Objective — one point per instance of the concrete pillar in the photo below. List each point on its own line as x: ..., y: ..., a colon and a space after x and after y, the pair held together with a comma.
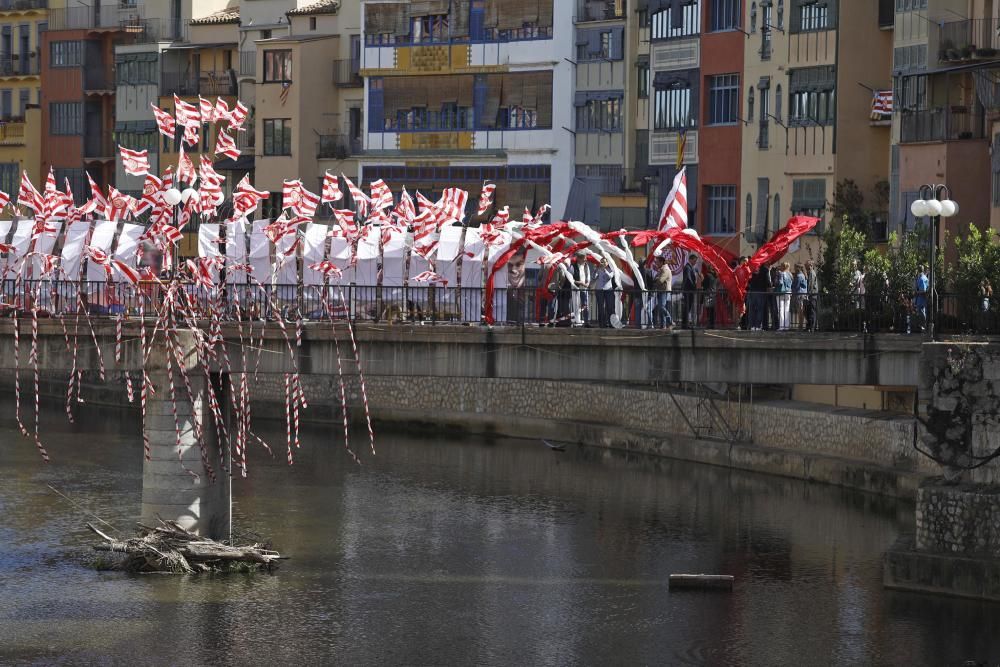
x: 168, y: 491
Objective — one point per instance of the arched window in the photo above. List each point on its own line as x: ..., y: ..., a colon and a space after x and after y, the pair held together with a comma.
x: 781, y: 13
x: 777, y: 102
x: 753, y: 17
x: 750, y: 104
x: 777, y: 212
x: 748, y: 219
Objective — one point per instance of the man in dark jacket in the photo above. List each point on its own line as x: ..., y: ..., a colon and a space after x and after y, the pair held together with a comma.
x: 690, y: 287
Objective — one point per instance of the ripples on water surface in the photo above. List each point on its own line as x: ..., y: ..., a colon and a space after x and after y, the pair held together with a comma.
x: 468, y: 551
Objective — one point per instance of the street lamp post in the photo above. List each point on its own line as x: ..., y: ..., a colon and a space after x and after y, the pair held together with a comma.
x: 932, y: 204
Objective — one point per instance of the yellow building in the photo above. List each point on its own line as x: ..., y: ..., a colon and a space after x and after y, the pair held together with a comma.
x: 21, y: 24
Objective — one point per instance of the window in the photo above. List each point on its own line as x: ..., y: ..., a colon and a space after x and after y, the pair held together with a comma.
x: 672, y: 108
x: 777, y: 210
x: 781, y: 13
x: 23, y: 101
x: 912, y: 93
x: 265, y: 34
x: 66, y: 54
x: 277, y: 66
x: 748, y: 215
x: 723, y: 99
x: 642, y: 70
x: 749, y: 104
x: 136, y: 138
x: 66, y: 118
x: 753, y: 17
x: 777, y: 102
x: 312, y: 22
x: 725, y: 15
x: 765, y: 31
x: 910, y: 5
x: 812, y: 107
x: 136, y: 69
x: 606, y: 44
x: 662, y: 24
x: 813, y: 15
x: 809, y: 196
x: 594, y: 44
x: 720, y: 215
x: 599, y: 115
x: 432, y: 28
x: 278, y: 136
x: 77, y: 182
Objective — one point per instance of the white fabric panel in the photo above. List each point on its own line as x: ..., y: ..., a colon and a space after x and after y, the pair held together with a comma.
x: 5, y: 227
x: 104, y: 234
x: 417, y: 266
x: 366, y: 269
x: 313, y: 251
x: 500, y: 279
x: 45, y: 244
x: 21, y: 242
x: 260, y: 253
x: 393, y: 259
x: 286, y: 272
x: 472, y: 275
x: 236, y: 250
x: 448, y: 253
x: 128, y: 245
x: 72, y: 250
x: 208, y: 240
x: 340, y: 255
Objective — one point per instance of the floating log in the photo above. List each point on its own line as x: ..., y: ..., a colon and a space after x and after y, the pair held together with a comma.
x: 171, y: 548
x: 715, y: 582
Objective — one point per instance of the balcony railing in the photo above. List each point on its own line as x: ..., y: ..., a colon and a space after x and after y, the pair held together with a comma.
x: 347, y: 73
x: 24, y: 64
x: 248, y: 63
x: 106, y: 16
x: 599, y: 10
x: 12, y: 132
x: 22, y: 5
x: 206, y: 83
x: 148, y: 31
x: 246, y: 140
x: 612, y: 179
x: 941, y: 124
x: 337, y: 146
x: 974, y: 39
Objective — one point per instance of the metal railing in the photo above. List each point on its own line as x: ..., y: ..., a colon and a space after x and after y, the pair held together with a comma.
x: 337, y: 146
x: 599, y: 10
x: 163, y: 29
x: 110, y: 16
x: 347, y: 73
x: 22, y: 64
x: 12, y: 132
x: 970, y: 39
x: 204, y: 83
x: 941, y: 124
x: 630, y: 308
x: 613, y: 179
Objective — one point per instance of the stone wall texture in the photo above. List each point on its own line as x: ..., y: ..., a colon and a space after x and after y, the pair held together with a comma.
x: 958, y: 519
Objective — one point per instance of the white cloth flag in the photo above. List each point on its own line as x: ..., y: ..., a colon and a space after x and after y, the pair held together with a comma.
x: 208, y: 246
x: 128, y: 246
x: 236, y: 250
x: 260, y: 253
x: 72, y: 250
x: 44, y: 245
x: 500, y: 278
x: 21, y: 242
x: 104, y: 235
x: 313, y: 252
x: 340, y: 255
x: 286, y: 267
x: 367, y: 266
x: 472, y: 275
x: 448, y: 253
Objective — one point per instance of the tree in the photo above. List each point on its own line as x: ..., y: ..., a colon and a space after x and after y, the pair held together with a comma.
x: 843, y: 245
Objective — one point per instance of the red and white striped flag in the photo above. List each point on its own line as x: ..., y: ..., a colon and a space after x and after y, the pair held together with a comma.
x: 100, y: 257
x: 425, y: 232
x: 486, y: 197
x: 290, y: 193
x: 675, y: 208
x: 120, y: 205
x: 361, y: 201
x: 430, y: 277
x: 164, y: 121
x: 150, y: 194
x: 381, y: 195
x: 207, y: 172
x: 346, y: 220
x: 225, y: 145
x: 207, y: 110
x: 4, y: 200
x: 187, y: 114
x: 502, y: 217
x: 281, y: 228
x: 246, y: 198
x: 28, y: 196
x: 185, y: 168
x: 327, y: 268
x: 203, y: 270
x: 331, y: 188
x: 308, y: 203
x: 238, y: 115
x: 452, y: 205
x: 191, y: 137
x: 405, y: 211
x: 221, y: 111
x: 97, y: 203
x: 134, y: 162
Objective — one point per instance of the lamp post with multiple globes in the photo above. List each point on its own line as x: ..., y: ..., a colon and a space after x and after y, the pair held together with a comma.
x: 934, y: 201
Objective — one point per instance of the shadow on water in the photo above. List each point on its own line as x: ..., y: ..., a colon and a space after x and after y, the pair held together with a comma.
x: 454, y: 551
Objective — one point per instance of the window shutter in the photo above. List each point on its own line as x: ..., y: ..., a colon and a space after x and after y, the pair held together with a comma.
x: 617, y: 44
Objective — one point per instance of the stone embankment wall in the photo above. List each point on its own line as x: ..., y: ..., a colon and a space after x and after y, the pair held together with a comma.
x: 963, y: 519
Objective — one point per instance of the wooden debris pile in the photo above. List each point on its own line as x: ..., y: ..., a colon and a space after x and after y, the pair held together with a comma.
x: 169, y: 548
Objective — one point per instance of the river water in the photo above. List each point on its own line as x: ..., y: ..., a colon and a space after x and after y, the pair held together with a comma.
x: 467, y: 551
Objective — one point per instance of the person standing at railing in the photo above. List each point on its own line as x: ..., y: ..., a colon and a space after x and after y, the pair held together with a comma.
x: 985, y: 304
x: 662, y: 282
x: 709, y: 289
x: 920, y: 288
x: 783, y: 291
x: 812, y: 289
x: 800, y: 287
x: 581, y: 294
x: 604, y: 287
x: 689, y: 284
x: 760, y: 285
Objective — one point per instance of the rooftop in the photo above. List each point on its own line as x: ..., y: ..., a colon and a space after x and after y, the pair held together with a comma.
x: 221, y: 17
x: 321, y: 7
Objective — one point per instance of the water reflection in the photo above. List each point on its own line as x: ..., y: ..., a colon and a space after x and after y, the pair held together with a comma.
x: 445, y: 551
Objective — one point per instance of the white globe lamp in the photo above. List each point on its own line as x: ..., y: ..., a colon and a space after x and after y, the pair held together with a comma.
x: 172, y: 196
x: 949, y: 208
x: 919, y: 208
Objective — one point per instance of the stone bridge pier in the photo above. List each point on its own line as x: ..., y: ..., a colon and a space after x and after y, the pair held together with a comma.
x: 168, y: 489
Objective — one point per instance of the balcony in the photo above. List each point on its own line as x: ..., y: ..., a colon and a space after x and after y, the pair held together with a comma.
x: 98, y: 17
x: 22, y: 5
x: 347, y: 73
x: 941, y: 124
x: 150, y: 31
x: 12, y: 132
x: 98, y: 148
x: 337, y: 146
x: 20, y: 65
x: 206, y: 83
x: 246, y: 140
x: 613, y: 179
x: 599, y: 10
x: 974, y: 39
x: 248, y: 63
x: 96, y: 79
